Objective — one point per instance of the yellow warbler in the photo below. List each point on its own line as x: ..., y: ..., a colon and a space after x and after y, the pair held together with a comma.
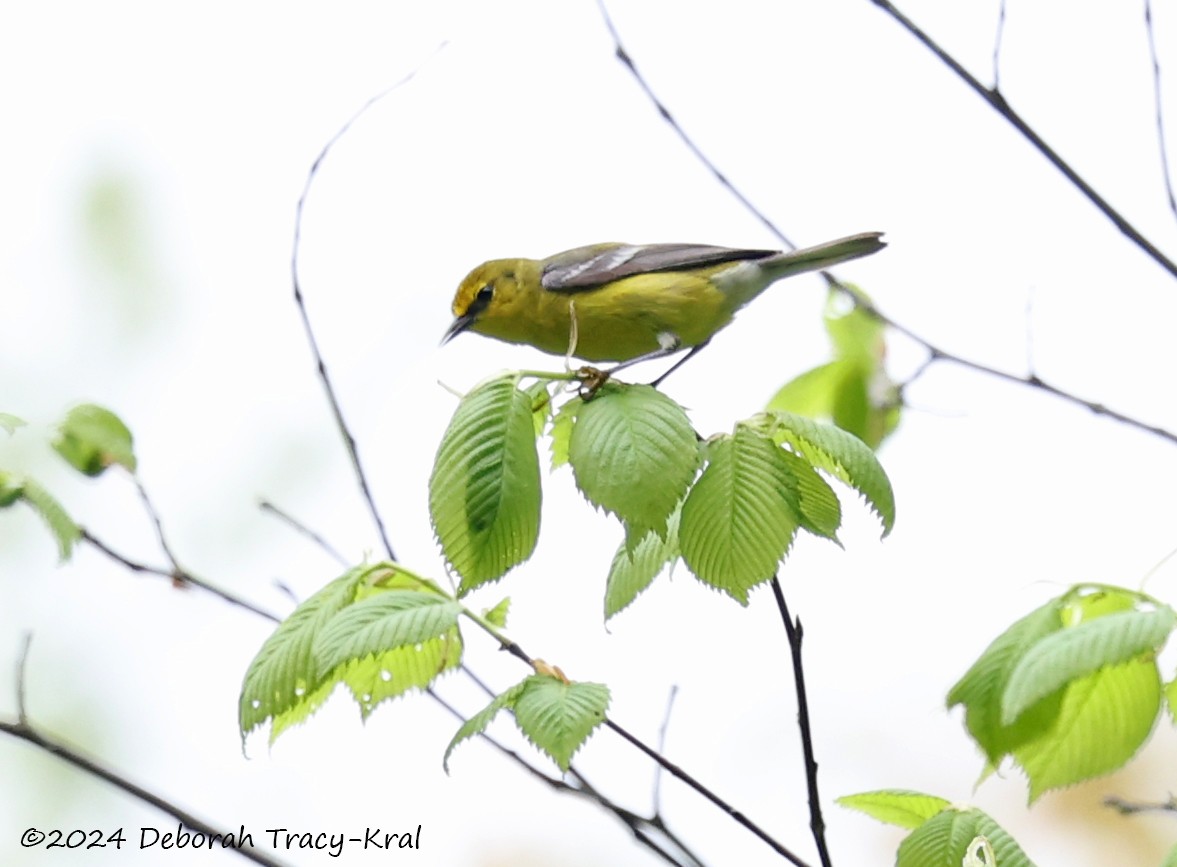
x: 627, y: 302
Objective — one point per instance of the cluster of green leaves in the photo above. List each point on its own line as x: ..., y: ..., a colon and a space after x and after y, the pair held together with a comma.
x: 382, y: 632
x: 941, y: 833
x: 853, y: 389
x: 378, y: 629
x: 1072, y: 690
x: 91, y: 439
x: 729, y: 507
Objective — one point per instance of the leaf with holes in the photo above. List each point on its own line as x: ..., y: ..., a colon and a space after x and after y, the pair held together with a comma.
x: 283, y: 680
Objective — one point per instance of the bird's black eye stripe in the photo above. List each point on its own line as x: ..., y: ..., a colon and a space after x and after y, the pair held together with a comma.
x: 481, y: 300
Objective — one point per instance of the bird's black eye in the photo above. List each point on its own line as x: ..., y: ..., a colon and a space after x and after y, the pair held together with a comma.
x: 481, y: 300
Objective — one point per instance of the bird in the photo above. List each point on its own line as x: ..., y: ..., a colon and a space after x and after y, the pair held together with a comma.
x: 628, y: 303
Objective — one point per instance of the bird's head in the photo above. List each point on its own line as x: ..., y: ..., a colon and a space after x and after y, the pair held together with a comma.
x: 487, y: 300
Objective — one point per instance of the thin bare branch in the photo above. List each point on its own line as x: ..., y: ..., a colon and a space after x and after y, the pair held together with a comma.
x: 628, y: 62
x: 349, y: 441
x: 678, y: 773
x: 935, y: 353
x: 177, y: 575
x: 1128, y: 808
x: 25, y: 732
x: 997, y: 101
x: 153, y: 514
x: 794, y: 633
x: 1156, y: 90
x: 657, y: 795
x: 304, y: 530
x: 997, y: 46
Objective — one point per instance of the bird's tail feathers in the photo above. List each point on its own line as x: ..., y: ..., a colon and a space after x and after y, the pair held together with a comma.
x: 822, y: 256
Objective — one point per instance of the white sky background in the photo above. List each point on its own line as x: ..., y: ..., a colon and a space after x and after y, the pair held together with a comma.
x: 524, y: 136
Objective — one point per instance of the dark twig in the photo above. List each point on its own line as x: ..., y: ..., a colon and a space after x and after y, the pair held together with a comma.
x: 26, y: 733
x: 1128, y: 808
x: 303, y: 530
x: 628, y: 62
x: 935, y: 353
x: 1156, y: 89
x: 795, y: 634
x: 349, y: 441
x: 646, y: 830
x: 637, y: 824
x: 677, y: 772
x: 23, y: 730
x: 657, y: 795
x: 997, y: 47
x: 997, y: 101
x: 176, y: 574
x: 153, y: 514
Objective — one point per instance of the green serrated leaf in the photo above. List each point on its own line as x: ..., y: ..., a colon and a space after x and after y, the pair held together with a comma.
x: 92, y: 438
x: 377, y: 678
x: 900, y: 807
x: 381, y: 623
x: 484, y: 493
x: 497, y: 616
x: 540, y: 395
x: 477, y: 724
x: 11, y: 489
x: 633, y: 453
x: 1170, y: 691
x: 301, y: 710
x: 1104, y: 719
x: 561, y: 433
x: 9, y: 422
x: 844, y: 455
x: 283, y: 680
x: 1075, y: 652
x: 635, y: 566
x: 981, y: 687
x: 945, y: 840
x: 557, y: 716
x: 65, y: 532
x: 736, y: 523
x: 813, y: 501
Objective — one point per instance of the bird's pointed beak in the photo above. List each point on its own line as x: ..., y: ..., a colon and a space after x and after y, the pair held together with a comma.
x: 460, y: 324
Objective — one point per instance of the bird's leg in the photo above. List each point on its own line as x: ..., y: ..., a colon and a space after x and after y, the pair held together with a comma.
x: 592, y: 378
x: 657, y: 382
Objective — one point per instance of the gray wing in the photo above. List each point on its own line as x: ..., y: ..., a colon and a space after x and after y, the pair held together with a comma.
x: 590, y: 267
